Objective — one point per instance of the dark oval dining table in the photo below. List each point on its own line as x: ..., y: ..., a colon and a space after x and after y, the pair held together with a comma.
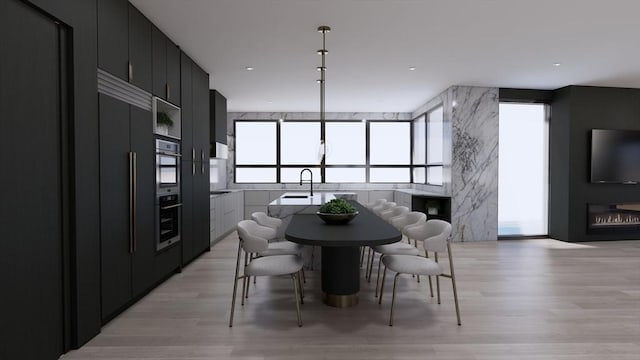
x: 340, y: 245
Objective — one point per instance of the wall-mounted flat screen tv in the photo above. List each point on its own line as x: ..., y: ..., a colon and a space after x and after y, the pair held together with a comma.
x: 615, y: 156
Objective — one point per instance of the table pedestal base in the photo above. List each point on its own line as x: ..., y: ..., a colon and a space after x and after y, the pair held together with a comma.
x: 341, y: 275
x: 340, y: 301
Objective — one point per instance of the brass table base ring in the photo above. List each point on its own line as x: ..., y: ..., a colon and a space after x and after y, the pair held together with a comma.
x: 341, y: 301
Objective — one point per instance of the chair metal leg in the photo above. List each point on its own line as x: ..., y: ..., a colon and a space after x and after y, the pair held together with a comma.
x: 393, y: 298
x: 245, y: 282
x: 361, y: 255
x: 313, y: 249
x: 244, y: 290
x: 384, y: 276
x: 300, y: 287
x: 373, y: 259
x: 254, y: 278
x: 235, y: 285
x: 366, y: 268
x: 295, y: 291
x: 426, y: 254
x: 453, y: 283
x: 304, y: 277
x: 378, y: 278
x: 438, y: 288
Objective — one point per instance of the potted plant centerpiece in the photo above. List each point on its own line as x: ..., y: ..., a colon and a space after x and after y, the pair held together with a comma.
x: 337, y: 212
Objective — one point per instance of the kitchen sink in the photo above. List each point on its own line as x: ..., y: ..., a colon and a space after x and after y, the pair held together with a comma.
x: 295, y: 196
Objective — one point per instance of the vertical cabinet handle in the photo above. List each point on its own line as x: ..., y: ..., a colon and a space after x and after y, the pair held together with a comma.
x: 202, y: 157
x: 193, y: 161
x: 132, y: 195
x: 130, y: 72
x: 168, y: 88
x: 135, y: 200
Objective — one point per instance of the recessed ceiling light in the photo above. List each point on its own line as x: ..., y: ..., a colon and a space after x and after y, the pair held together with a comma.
x: 412, y: 68
x: 249, y: 68
x: 364, y: 120
x: 281, y: 120
x: 556, y: 64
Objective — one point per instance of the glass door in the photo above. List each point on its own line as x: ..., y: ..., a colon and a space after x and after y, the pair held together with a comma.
x: 523, y: 170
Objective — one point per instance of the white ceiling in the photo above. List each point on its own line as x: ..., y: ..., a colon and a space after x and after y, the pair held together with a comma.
x: 503, y: 43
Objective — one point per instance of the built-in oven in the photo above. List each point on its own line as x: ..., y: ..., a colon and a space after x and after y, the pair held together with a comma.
x: 168, y: 202
x: 167, y: 167
x: 168, y: 220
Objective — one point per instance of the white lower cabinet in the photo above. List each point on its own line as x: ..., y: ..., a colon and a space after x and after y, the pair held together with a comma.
x: 227, y: 210
x: 402, y: 199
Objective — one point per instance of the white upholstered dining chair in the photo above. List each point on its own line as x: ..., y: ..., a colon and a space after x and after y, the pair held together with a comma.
x: 388, y: 214
x: 252, y: 241
x: 382, y: 207
x: 435, y: 236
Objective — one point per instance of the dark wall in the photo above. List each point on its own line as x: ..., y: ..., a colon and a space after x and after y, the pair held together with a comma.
x: 80, y: 16
x: 575, y: 111
x: 559, y: 159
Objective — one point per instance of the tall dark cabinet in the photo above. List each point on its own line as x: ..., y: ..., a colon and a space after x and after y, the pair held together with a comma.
x: 139, y: 70
x: 166, y: 67
x: 126, y: 203
x: 195, y: 166
x: 219, y: 117
x: 113, y: 34
x: 35, y: 231
x: 121, y: 23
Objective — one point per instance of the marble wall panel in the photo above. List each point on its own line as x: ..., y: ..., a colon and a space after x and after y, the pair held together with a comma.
x: 474, y: 180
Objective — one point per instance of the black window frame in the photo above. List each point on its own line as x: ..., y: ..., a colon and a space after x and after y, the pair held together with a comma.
x: 323, y: 166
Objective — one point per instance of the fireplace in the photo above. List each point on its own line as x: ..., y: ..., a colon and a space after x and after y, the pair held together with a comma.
x: 614, y: 216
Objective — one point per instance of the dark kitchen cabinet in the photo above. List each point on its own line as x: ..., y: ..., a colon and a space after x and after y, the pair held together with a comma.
x: 113, y: 33
x: 34, y: 210
x: 187, y: 107
x: 120, y: 23
x: 195, y: 150
x: 200, y: 85
x: 139, y: 49
x: 166, y: 67
x: 219, y: 117
x: 173, y: 73
x: 127, y: 231
x: 188, y: 247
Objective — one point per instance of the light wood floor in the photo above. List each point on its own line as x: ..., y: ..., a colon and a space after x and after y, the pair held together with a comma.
x: 526, y: 299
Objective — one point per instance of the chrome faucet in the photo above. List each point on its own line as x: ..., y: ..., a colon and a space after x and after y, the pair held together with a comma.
x: 310, y: 181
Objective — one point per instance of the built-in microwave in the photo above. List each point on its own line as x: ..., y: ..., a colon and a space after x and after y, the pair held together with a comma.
x: 167, y: 167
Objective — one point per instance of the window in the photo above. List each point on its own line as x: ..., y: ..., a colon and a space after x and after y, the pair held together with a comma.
x: 428, y: 147
x: 419, y: 155
x: 346, y: 143
x: 435, y: 143
x: 522, y: 169
x: 389, y: 144
x: 300, y: 143
x: 256, y: 151
x: 356, y: 151
x: 251, y: 136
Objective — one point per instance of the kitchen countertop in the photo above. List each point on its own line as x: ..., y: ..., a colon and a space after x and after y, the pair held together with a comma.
x: 221, y: 192
x: 318, y: 199
x: 421, y: 193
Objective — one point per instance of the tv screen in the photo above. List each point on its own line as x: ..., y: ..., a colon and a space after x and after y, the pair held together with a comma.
x: 615, y: 156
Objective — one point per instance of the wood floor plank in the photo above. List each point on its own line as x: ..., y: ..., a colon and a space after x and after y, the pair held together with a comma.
x: 525, y: 299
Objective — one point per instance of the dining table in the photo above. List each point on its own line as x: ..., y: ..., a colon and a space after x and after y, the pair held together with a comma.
x: 340, y: 249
